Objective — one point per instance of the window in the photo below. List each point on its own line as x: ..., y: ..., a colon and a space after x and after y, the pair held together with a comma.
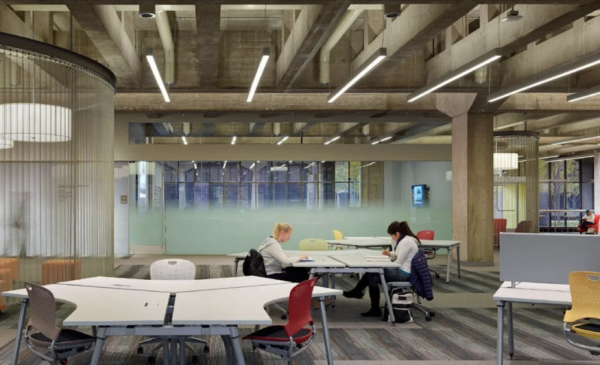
x: 560, y: 194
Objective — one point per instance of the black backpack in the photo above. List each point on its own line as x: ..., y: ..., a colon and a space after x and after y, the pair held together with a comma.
x: 254, y: 265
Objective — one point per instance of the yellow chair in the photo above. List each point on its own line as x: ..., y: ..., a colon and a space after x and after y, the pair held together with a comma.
x: 585, y: 296
x: 313, y: 244
x: 337, y: 235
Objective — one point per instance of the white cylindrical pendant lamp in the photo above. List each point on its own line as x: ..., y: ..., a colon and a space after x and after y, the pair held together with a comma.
x: 30, y: 122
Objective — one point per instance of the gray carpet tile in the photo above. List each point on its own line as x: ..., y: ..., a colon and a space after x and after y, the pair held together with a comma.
x: 455, y: 336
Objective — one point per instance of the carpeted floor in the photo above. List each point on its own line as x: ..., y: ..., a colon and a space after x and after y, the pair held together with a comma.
x: 455, y: 336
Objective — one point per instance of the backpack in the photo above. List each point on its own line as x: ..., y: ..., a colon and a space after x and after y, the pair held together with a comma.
x: 401, y: 304
x: 254, y: 265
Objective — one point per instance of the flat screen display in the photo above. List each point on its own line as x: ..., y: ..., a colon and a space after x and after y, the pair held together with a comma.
x: 419, y: 195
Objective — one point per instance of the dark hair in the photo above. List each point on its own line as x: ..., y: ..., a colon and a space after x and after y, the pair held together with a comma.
x: 403, y: 229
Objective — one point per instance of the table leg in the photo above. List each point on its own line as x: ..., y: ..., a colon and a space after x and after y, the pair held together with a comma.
x: 235, y: 266
x: 174, y: 350
x: 99, y: 344
x: 325, y: 330
x: 311, y: 274
x: 458, y: 259
x: 182, y: 351
x: 448, y: 261
x: 227, y: 345
x: 387, y: 298
x: 500, y: 325
x: 326, y: 280
x: 165, y: 351
x: 237, y: 347
x: 20, y: 326
x: 509, y: 326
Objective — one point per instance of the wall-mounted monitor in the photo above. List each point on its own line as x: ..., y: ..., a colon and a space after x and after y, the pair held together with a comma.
x: 420, y: 195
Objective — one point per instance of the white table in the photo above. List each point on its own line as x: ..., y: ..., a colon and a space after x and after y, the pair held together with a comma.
x: 532, y: 293
x: 120, y: 307
x: 383, y: 242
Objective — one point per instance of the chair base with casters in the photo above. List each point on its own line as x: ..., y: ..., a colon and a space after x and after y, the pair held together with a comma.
x: 68, y: 344
x: 587, y: 330
x: 406, y: 287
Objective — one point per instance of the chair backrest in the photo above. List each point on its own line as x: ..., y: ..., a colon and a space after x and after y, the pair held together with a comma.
x: 337, y: 235
x: 596, y: 219
x: 313, y: 244
x: 425, y: 235
x: 523, y: 227
x: 299, y: 307
x: 42, y: 314
x: 499, y: 225
x: 585, y: 296
x: 172, y: 269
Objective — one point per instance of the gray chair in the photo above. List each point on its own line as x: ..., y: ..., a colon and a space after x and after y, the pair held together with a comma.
x: 172, y: 269
x: 43, y: 337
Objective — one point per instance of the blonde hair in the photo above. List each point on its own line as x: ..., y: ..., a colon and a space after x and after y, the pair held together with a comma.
x: 281, y: 227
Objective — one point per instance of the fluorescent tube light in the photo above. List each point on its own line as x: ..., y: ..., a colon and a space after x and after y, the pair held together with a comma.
x: 547, y: 157
x: 554, y: 73
x: 282, y: 140
x: 367, y: 165
x: 465, y: 69
x: 364, y: 69
x: 233, y: 140
x: 332, y: 140
x: 584, y: 94
x: 259, y: 72
x: 571, y: 158
x: 196, y: 167
x: 225, y: 164
x: 184, y: 140
x: 251, y: 166
x: 381, y: 140
x: 156, y: 73
x: 576, y: 139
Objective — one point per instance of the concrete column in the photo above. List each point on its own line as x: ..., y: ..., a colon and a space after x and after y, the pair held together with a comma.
x: 472, y: 179
x: 596, y: 183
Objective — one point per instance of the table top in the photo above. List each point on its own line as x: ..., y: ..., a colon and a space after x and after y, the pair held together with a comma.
x: 107, y: 307
x: 242, y: 306
x: 385, y: 241
x: 313, y: 254
x: 535, y: 293
x: 360, y: 260
x: 319, y: 261
x: 172, y: 286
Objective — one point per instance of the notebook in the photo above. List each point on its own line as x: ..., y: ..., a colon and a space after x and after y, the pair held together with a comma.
x: 308, y: 259
x: 378, y: 258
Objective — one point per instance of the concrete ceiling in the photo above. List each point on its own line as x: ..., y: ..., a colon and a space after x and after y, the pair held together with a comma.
x: 218, y: 46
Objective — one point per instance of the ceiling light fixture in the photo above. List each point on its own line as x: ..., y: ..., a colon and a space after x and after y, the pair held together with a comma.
x: 251, y: 166
x: 512, y: 16
x: 233, y: 140
x: 34, y: 122
x: 554, y: 73
x: 576, y: 139
x: 225, y: 164
x: 571, y: 158
x: 584, y: 94
x: 465, y: 69
x: 184, y: 140
x: 381, y: 140
x: 332, y: 140
x: 547, y: 157
x: 196, y: 167
x: 261, y: 68
x: 6, y: 144
x: 282, y: 140
x: 364, y: 69
x: 156, y: 73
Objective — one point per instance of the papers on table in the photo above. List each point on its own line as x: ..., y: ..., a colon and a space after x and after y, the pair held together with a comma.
x: 378, y: 258
x: 308, y: 259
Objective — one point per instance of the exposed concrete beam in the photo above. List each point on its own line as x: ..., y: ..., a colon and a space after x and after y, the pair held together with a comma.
x: 311, y: 29
x: 423, y: 130
x: 104, y: 28
x: 291, y: 2
x: 538, y: 21
x: 431, y: 140
x: 554, y: 150
x: 580, y: 126
x: 417, y: 25
x: 556, y: 102
x: 208, y: 27
x: 255, y: 128
x: 558, y: 120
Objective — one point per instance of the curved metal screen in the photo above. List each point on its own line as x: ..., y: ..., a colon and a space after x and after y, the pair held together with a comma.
x: 56, y: 164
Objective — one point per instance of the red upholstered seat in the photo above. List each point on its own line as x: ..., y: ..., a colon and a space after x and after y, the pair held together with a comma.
x: 277, y: 333
x: 595, y: 226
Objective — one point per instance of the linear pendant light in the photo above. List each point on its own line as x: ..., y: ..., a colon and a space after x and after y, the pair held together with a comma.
x: 261, y: 68
x: 233, y: 139
x: 465, y: 69
x: 578, y: 157
x: 381, y: 140
x: 332, y: 140
x: 156, y: 73
x: 282, y: 140
x: 552, y: 74
x: 364, y: 69
x: 576, y: 139
x: 584, y: 94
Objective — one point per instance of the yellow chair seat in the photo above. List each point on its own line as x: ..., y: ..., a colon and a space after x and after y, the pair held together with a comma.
x: 589, y: 330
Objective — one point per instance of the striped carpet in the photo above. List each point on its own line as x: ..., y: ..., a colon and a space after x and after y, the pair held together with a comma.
x: 455, y: 336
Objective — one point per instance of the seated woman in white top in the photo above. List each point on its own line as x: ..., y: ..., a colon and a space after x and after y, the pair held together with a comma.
x: 277, y: 263
x: 587, y: 220
x: 407, y: 246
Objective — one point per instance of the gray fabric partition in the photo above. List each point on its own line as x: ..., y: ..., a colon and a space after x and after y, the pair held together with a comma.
x: 547, y: 258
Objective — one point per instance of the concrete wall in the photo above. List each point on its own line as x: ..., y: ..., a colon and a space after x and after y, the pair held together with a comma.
x: 121, y: 209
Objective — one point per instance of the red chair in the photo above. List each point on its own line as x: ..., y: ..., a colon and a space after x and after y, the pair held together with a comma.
x: 499, y: 226
x: 429, y: 252
x: 291, y: 339
x: 594, y: 226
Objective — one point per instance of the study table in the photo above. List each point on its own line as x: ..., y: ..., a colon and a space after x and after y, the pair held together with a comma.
x: 522, y: 292
x: 339, y: 262
x: 134, y: 307
x: 383, y: 242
